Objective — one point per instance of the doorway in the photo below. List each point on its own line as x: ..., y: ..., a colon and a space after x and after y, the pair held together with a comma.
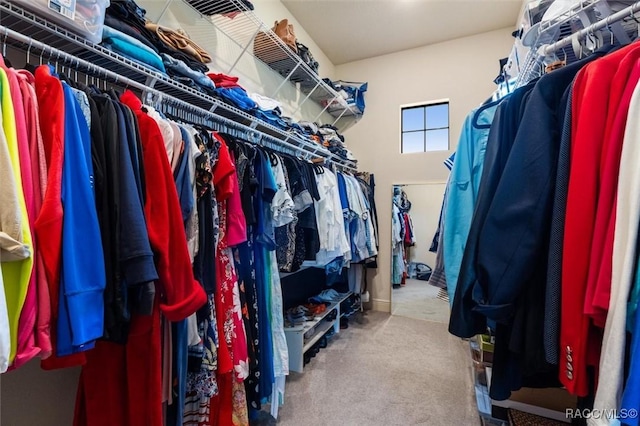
x: 414, y: 224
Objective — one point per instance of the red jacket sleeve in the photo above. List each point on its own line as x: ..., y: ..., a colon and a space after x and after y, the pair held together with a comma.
x: 591, y: 92
x: 181, y: 294
x: 223, y: 171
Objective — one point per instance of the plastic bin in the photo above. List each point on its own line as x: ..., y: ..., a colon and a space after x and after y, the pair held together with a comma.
x: 83, y: 17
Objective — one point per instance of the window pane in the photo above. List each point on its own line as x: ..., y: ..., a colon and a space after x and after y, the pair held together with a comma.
x: 413, y: 142
x: 437, y: 116
x: 438, y: 140
x: 412, y: 119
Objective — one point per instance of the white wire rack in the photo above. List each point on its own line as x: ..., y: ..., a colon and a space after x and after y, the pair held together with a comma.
x: 36, y: 36
x: 241, y: 42
x: 586, y: 17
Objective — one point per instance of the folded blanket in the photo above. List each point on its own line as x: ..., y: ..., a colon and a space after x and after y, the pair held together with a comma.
x: 179, y: 40
x: 131, y: 48
x: 176, y: 66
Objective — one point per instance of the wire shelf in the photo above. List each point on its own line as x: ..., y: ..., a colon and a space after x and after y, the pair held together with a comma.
x: 245, y: 41
x: 586, y: 16
x: 23, y: 30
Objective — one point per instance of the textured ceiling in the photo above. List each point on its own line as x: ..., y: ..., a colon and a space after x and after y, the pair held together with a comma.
x: 349, y: 30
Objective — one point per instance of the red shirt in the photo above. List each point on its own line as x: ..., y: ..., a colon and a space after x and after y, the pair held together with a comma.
x: 181, y: 294
x: 600, y: 267
x: 49, y: 222
x: 592, y: 89
x: 122, y: 384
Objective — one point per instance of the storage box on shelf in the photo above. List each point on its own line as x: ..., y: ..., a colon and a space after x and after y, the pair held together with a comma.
x: 86, y: 18
x: 549, y: 403
x: 302, y: 337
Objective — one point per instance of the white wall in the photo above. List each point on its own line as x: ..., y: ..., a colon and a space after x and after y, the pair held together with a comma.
x: 426, y: 202
x: 32, y: 396
x: 460, y: 70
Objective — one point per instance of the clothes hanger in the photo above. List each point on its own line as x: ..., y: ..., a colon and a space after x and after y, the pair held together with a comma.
x: 28, y: 65
x: 28, y: 58
x: 576, y: 45
x: 633, y: 16
x: 4, y: 43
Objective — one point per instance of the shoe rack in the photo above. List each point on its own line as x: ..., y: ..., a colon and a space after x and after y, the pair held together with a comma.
x: 302, y: 338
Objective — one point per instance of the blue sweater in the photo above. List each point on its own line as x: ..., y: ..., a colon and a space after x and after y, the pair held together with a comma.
x: 82, y: 281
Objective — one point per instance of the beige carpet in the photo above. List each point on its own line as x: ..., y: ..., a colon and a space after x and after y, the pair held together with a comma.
x: 387, y: 370
x: 419, y: 299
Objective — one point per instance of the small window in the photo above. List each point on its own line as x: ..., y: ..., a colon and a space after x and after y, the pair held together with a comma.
x: 425, y: 128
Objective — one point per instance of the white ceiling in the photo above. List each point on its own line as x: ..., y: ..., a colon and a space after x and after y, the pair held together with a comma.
x: 349, y: 30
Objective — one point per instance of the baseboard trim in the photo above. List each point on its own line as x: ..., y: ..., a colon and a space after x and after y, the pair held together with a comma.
x: 381, y: 305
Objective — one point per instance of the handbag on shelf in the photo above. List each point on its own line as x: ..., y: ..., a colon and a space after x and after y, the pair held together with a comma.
x: 307, y: 57
x: 267, y: 49
x: 284, y: 30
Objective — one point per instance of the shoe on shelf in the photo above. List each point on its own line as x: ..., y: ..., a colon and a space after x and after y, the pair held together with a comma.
x: 316, y: 309
x: 344, y: 323
x: 327, y: 296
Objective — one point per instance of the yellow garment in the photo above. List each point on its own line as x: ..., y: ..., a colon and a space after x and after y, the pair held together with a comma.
x: 16, y: 275
x: 10, y: 240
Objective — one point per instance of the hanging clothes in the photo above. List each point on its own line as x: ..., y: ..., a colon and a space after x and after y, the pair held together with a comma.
x: 550, y: 269
x: 463, y: 187
x: 398, y: 265
x: 25, y: 349
x: 438, y: 276
x: 147, y: 251
x: 18, y: 271
x: 134, y: 370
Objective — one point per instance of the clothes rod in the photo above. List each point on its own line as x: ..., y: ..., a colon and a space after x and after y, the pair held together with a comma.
x: 629, y: 11
x: 307, y: 147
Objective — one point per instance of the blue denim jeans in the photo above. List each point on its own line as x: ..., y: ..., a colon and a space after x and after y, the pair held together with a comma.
x: 179, y: 67
x: 271, y: 118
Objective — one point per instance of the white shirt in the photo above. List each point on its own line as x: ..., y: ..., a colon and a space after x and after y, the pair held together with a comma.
x: 611, y: 379
x: 264, y: 102
x: 369, y: 247
x: 282, y: 206
x: 165, y: 129
x: 333, y: 239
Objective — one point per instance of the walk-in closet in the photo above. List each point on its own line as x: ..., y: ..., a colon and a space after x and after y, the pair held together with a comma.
x: 319, y: 212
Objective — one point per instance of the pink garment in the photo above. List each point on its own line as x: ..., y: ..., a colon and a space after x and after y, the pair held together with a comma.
x: 233, y: 333
x: 236, y: 222
x: 39, y: 171
x: 26, y: 349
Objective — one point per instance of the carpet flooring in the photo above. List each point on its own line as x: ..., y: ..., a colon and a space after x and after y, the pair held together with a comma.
x: 419, y: 299
x: 385, y: 370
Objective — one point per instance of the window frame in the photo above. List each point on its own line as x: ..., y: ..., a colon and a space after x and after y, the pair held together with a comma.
x: 425, y: 129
